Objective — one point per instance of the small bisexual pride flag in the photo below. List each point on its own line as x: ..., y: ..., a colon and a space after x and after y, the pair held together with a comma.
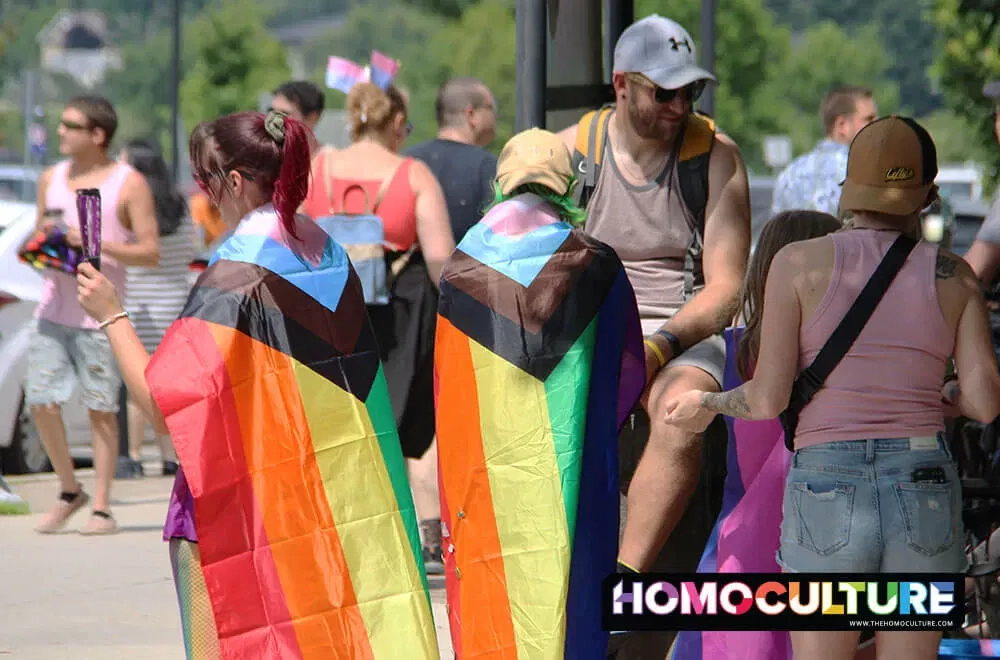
x: 383, y: 69
x: 343, y: 74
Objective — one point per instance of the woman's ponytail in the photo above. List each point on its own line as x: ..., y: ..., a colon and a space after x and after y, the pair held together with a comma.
x: 292, y: 184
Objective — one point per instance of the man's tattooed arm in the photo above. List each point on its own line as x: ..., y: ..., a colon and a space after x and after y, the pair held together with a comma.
x: 732, y: 403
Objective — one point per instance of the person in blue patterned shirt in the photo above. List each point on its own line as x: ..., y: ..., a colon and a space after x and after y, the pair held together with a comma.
x: 812, y: 181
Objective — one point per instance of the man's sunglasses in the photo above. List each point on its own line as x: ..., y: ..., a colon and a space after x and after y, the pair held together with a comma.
x: 690, y: 93
x: 73, y: 126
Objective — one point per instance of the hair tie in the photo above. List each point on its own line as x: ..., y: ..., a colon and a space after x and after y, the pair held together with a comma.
x: 274, y: 124
x: 364, y: 115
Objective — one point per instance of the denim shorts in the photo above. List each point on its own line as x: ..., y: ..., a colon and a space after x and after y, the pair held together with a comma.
x: 853, y: 507
x: 60, y: 357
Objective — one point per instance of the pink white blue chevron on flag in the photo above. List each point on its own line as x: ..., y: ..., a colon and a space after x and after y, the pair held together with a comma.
x: 383, y: 69
x: 343, y: 74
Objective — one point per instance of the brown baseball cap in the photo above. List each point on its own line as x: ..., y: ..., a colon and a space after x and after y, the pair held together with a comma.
x: 891, y: 168
x: 535, y: 156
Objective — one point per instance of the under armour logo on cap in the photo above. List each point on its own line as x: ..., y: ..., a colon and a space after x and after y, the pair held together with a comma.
x: 676, y: 45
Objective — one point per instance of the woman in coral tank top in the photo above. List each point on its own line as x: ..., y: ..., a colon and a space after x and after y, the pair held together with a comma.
x: 408, y: 199
x: 872, y: 486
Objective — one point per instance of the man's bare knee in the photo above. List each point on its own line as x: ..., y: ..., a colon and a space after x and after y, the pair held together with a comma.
x: 673, y: 381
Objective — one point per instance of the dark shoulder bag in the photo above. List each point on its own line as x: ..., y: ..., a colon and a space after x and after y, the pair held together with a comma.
x: 809, y: 382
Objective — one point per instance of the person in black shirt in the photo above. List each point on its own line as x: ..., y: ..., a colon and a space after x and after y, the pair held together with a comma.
x: 466, y: 116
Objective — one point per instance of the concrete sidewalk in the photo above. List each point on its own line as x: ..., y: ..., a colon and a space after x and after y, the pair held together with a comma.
x: 100, y: 598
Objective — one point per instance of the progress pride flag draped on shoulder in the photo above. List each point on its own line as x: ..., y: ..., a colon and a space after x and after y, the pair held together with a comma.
x: 274, y: 395
x: 538, y: 361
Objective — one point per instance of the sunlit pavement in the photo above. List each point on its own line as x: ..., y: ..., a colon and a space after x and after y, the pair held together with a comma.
x: 100, y: 598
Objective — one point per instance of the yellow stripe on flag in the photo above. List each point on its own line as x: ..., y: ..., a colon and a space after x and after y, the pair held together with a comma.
x: 527, y: 502
x: 384, y: 572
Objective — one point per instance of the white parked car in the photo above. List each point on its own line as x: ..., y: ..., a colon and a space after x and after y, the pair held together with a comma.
x: 20, y: 289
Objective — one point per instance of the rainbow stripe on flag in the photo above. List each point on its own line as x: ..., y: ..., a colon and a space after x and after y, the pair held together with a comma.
x: 538, y: 361
x: 272, y: 389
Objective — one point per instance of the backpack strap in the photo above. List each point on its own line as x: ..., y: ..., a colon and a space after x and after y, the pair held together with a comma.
x: 591, y: 139
x: 692, y: 165
x: 693, y: 159
x: 812, y: 378
x: 386, y: 182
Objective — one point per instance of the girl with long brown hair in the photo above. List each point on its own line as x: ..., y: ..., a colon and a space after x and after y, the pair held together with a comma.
x: 747, y: 532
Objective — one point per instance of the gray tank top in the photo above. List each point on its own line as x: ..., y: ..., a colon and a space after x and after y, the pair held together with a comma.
x: 652, y: 231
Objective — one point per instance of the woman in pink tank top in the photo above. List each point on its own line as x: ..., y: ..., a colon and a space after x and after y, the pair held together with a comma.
x: 872, y: 487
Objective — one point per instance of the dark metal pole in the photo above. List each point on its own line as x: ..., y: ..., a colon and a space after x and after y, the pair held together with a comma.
x: 708, y: 52
x: 619, y: 14
x: 175, y: 85
x: 532, y: 48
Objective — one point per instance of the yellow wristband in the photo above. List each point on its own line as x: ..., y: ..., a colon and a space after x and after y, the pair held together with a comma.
x: 656, y: 351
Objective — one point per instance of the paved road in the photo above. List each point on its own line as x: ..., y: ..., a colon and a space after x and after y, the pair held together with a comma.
x: 106, y: 598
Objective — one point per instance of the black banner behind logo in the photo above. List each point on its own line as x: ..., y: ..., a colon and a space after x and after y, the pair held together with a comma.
x: 783, y: 601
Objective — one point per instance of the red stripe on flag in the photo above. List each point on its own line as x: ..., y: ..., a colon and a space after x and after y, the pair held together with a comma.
x: 189, y: 379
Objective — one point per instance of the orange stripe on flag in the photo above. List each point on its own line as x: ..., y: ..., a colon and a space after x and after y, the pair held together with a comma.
x: 290, y: 495
x: 487, y: 628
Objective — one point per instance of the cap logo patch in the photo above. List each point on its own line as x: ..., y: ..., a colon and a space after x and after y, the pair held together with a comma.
x: 676, y: 45
x: 898, y: 174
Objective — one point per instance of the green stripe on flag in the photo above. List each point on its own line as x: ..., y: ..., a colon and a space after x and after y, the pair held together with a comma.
x: 567, y: 391
x: 384, y: 422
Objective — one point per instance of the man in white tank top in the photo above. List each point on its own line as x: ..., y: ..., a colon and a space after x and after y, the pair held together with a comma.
x: 637, y: 209
x: 68, y: 349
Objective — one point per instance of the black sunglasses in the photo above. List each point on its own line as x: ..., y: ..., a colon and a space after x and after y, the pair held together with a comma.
x: 690, y: 93
x: 73, y: 126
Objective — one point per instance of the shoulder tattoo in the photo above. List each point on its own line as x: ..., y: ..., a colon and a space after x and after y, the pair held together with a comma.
x: 944, y: 269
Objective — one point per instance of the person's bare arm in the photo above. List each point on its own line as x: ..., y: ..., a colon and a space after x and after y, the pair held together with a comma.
x: 433, y: 225
x: 975, y: 361
x: 768, y: 392
x: 726, y: 249
x: 140, y: 216
x: 984, y: 258
x: 41, y: 222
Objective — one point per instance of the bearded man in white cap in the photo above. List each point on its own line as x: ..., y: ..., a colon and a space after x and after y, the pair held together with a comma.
x: 670, y: 194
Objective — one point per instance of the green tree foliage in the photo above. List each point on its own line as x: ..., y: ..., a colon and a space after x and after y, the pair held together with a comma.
x: 904, y: 31
x: 405, y: 33
x: 490, y: 56
x: 967, y: 58
x: 235, y: 60
x: 139, y: 91
x: 824, y: 57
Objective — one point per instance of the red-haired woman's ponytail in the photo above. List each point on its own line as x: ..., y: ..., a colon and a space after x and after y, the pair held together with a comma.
x: 292, y: 184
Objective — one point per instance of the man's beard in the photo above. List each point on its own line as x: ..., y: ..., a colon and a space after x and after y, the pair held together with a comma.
x: 645, y: 125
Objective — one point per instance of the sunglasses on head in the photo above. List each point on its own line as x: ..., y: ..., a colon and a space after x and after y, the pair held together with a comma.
x: 689, y: 93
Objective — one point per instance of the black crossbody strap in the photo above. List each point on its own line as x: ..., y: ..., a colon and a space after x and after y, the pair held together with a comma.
x: 857, y: 316
x: 812, y: 377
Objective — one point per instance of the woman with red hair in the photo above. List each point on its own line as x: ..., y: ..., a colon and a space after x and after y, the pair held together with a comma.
x: 291, y: 527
